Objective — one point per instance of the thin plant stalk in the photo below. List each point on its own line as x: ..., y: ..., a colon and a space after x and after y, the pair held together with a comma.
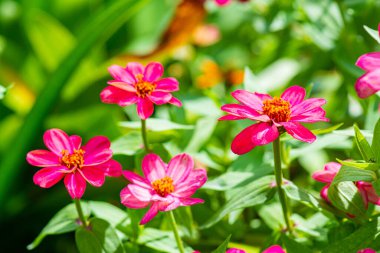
x: 144, y: 135
x: 278, y: 175
x: 80, y: 212
x: 175, y: 232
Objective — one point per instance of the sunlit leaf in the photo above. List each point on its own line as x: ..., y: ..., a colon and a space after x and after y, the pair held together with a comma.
x: 363, y: 146
x: 373, y: 33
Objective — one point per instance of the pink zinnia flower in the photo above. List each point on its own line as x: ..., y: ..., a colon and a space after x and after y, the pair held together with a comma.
x: 274, y: 249
x: 67, y: 159
x: 165, y: 186
x: 369, y: 83
x: 367, y: 250
x: 275, y: 116
x: 327, y: 176
x: 232, y: 250
x: 136, y: 84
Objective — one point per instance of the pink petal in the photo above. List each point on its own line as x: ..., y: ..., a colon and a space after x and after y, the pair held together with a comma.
x: 191, y: 201
x: 48, y: 177
x: 75, y: 185
x: 136, y: 179
x: 324, y: 192
x: 333, y: 167
x: 371, y: 193
x: 264, y: 133
x: 144, y: 108
x: 131, y: 201
x: 153, y: 71
x: 153, y: 167
x: 175, y: 101
x: 193, y: 182
x: 249, y: 99
x: 42, y: 158
x: 274, y: 249
x: 168, y: 84
x: 111, y: 168
x: 294, y: 95
x: 160, y: 97
x: 315, y: 115
x: 244, y: 111
x: 135, y: 68
x: 76, y: 141
x: 233, y: 250
x: 362, y: 189
x: 243, y: 143
x: 299, y: 132
x: 324, y: 176
x: 367, y: 250
x: 231, y: 117
x: 57, y: 140
x: 141, y: 193
x: 222, y: 2
x: 93, y: 175
x: 121, y: 74
x: 368, y: 84
x: 113, y: 95
x: 180, y: 167
x: 168, y: 206
x: 152, y: 212
x: 369, y: 61
x: 97, y: 151
x: 130, y: 88
x: 307, y: 105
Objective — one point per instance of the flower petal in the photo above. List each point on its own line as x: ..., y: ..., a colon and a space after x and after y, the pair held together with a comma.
x: 264, y: 133
x: 152, y: 212
x: 193, y: 182
x: 175, y: 101
x: 42, y: 158
x: 123, y: 86
x: 324, y: 192
x: 180, y: 167
x: 369, y: 61
x: 153, y: 167
x: 294, y: 95
x: 135, y: 68
x: 111, y: 168
x: 131, y: 201
x: 299, y: 132
x: 315, y: 115
x: 307, y: 105
x: 333, y: 167
x: 57, y: 140
x: 368, y: 84
x: 93, y: 175
x: 231, y: 117
x: 76, y: 141
x: 136, y: 179
x: 191, y: 201
x: 243, y: 143
x: 244, y: 111
x: 252, y: 100
x: 324, y: 176
x: 160, y: 97
x: 97, y: 151
x: 145, y: 108
x: 141, y: 193
x: 153, y: 71
x: 47, y: 177
x: 274, y: 249
x: 113, y: 95
x: 168, y: 84
x: 121, y: 74
x: 75, y: 185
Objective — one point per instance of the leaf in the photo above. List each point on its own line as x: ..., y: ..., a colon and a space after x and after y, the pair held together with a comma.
x: 155, y: 125
x: 228, y: 180
x: 294, y: 247
x: 376, y: 186
x: 222, y: 247
x: 363, y: 146
x: 202, y: 133
x: 360, y: 165
x: 327, y: 130
x: 3, y: 91
x: 63, y: 221
x: 255, y: 193
x: 185, y: 219
x: 373, y: 33
x: 128, y: 144
x: 299, y: 194
x: 353, y: 174
x: 376, y: 141
x: 100, y: 236
x: 107, y: 211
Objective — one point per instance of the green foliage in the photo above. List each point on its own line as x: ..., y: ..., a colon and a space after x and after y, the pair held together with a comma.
x: 223, y: 247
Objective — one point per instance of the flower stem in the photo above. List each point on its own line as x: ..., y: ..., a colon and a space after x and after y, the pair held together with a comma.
x: 144, y: 135
x: 278, y: 174
x: 80, y: 212
x: 176, y: 234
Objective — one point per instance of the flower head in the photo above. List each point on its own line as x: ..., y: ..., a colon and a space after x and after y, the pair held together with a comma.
x: 232, y: 250
x: 136, y: 84
x: 165, y: 186
x: 76, y: 164
x: 274, y: 115
x: 367, y: 250
x: 274, y: 249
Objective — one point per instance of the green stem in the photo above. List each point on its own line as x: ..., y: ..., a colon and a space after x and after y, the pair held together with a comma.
x: 278, y: 174
x: 144, y: 135
x: 175, y: 231
x: 80, y: 212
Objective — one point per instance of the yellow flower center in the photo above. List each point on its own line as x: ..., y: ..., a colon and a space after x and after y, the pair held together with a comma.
x: 74, y: 160
x: 144, y: 88
x: 277, y: 109
x: 163, y: 186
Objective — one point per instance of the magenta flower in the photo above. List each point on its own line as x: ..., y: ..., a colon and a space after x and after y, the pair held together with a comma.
x: 233, y: 250
x: 143, y: 86
x: 165, y: 186
x: 222, y: 2
x: 327, y: 176
x: 275, y: 115
x: 274, y: 249
x: 67, y: 159
x: 367, y: 250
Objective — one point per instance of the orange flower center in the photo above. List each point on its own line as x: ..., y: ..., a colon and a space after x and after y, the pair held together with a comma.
x: 144, y: 88
x: 163, y: 186
x: 74, y: 160
x: 277, y: 109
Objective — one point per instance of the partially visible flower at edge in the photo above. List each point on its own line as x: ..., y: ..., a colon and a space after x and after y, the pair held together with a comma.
x: 165, y: 186
x: 367, y: 250
x: 68, y: 159
x: 143, y: 86
x: 274, y: 249
x: 232, y: 250
x: 275, y: 115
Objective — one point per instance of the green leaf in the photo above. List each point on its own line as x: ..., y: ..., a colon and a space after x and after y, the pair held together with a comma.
x: 100, y: 237
x: 363, y: 146
x: 376, y: 186
x: 327, y: 130
x: 298, y: 194
x: 353, y: 174
x: 185, y: 219
x: 228, y: 180
x: 155, y: 125
x: 254, y: 193
x: 3, y: 91
x: 128, y: 144
x: 63, y: 221
x: 222, y: 247
x: 373, y: 33
x: 376, y: 141
x: 292, y: 246
x: 107, y: 211
x: 360, y: 165
x: 202, y: 133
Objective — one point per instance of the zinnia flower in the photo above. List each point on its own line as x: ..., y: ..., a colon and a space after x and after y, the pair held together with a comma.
x: 367, y: 250
x: 136, y: 84
x: 327, y: 176
x: 164, y: 186
x: 274, y: 249
x: 275, y: 116
x: 67, y: 159
x: 232, y: 250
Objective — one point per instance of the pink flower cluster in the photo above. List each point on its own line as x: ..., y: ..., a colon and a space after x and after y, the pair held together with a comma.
x: 327, y: 176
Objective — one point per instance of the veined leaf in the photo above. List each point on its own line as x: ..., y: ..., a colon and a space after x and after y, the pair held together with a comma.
x: 363, y: 146
x: 360, y: 165
x: 353, y: 174
x: 155, y: 125
x: 376, y: 141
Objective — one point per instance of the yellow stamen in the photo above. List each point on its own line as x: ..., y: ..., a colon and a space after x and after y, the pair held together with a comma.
x: 277, y: 109
x: 163, y: 186
x: 144, y: 88
x: 74, y: 160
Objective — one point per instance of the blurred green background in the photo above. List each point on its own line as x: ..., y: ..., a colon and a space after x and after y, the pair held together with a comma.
x: 54, y: 57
